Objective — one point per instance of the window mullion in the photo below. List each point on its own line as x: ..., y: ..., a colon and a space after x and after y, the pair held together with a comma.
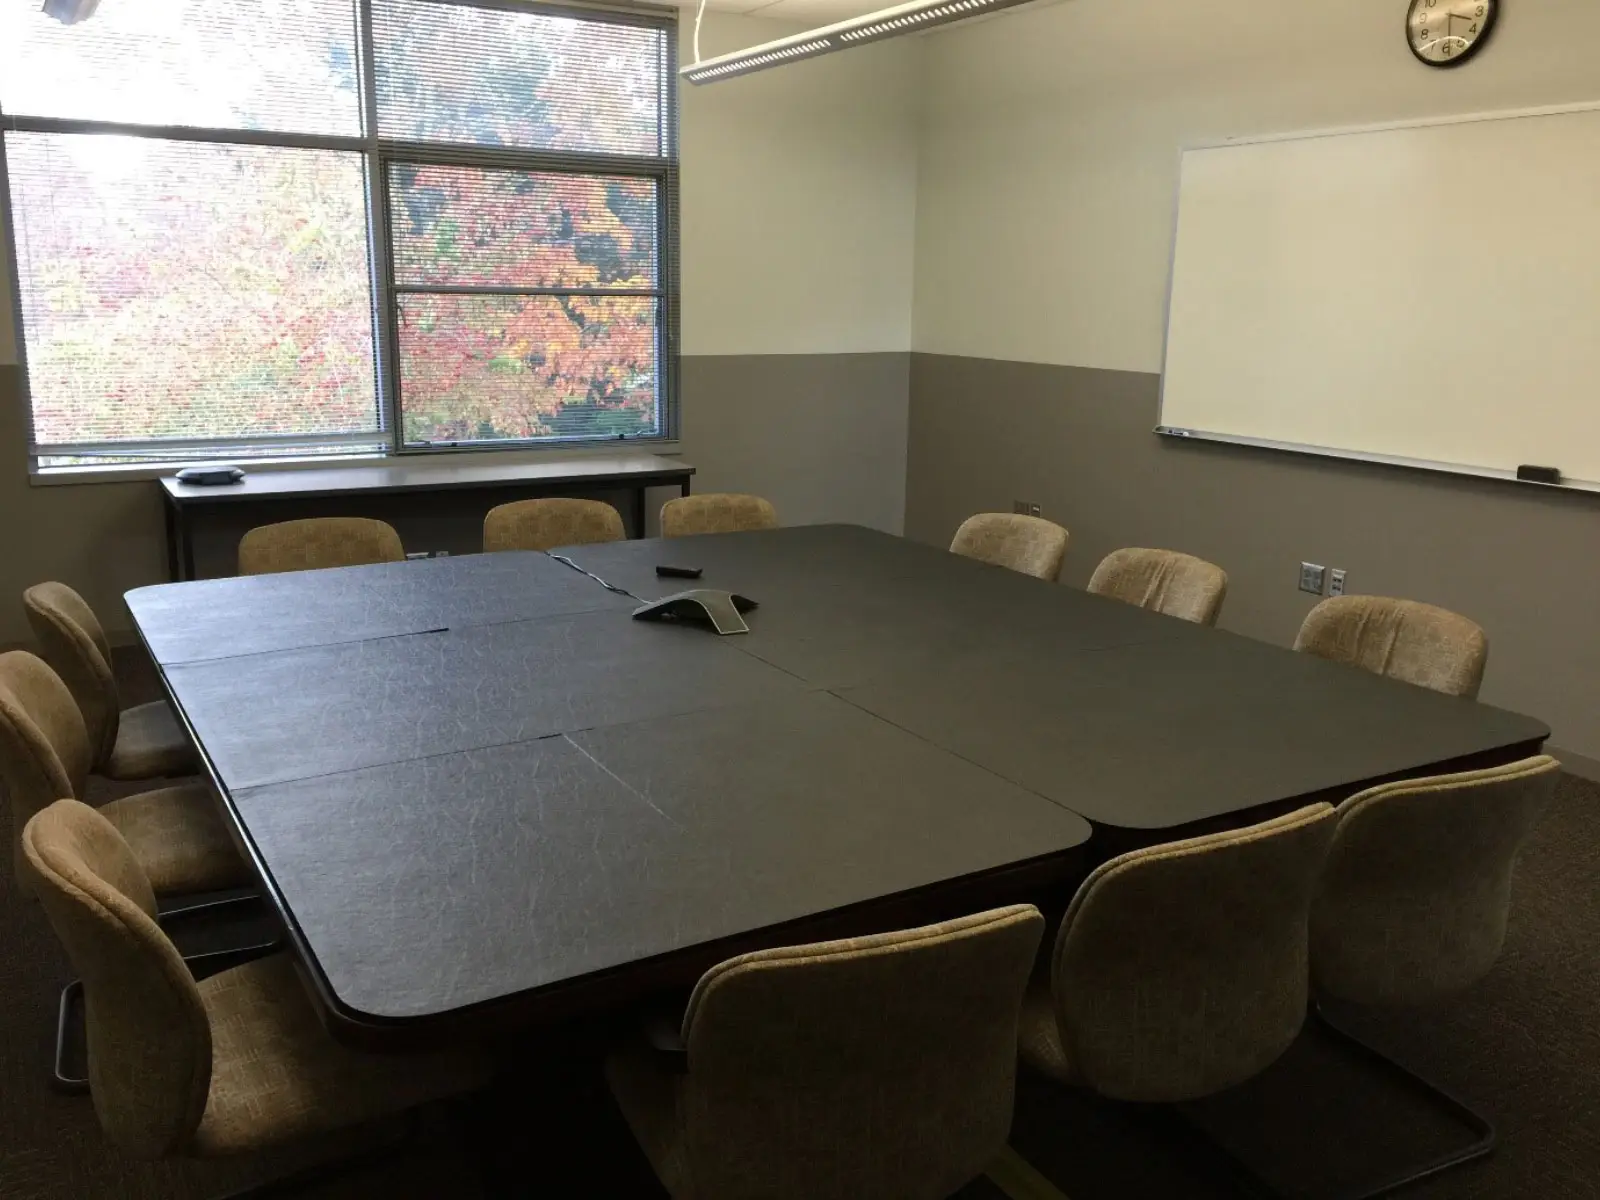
x: 517, y: 158
x: 182, y: 133
x: 381, y: 247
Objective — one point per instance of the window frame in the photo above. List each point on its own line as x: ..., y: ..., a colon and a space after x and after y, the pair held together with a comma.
x: 379, y: 155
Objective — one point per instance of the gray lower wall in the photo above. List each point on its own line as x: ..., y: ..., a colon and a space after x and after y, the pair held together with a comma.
x: 1524, y: 563
x: 824, y: 436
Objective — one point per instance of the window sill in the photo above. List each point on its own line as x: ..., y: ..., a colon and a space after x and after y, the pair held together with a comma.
x: 138, y: 472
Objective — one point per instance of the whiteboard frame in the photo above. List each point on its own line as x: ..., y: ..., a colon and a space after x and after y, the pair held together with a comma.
x: 1181, y: 433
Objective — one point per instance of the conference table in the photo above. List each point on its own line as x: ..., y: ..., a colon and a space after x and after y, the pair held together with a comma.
x: 481, y: 796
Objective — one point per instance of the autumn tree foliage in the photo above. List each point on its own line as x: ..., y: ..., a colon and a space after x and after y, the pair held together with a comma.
x: 195, y: 289
x: 487, y: 366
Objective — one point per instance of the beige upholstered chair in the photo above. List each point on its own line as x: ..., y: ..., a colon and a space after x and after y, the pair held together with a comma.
x: 1180, y: 970
x: 1163, y: 581
x: 143, y: 742
x: 546, y: 524
x: 877, y: 1067
x: 235, y: 1063
x: 1412, y: 908
x: 1414, y: 898
x: 1403, y: 639
x: 177, y: 833
x: 318, y: 542
x: 716, y: 512
x: 1029, y: 545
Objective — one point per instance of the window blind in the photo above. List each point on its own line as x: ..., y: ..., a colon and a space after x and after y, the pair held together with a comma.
x: 188, y: 291
x: 500, y: 77
x: 233, y: 236
x: 283, y: 65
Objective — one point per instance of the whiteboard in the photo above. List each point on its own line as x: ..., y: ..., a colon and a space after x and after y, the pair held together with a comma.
x: 1427, y: 293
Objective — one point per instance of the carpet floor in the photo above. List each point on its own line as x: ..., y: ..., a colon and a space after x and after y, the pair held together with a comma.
x: 1523, y: 1047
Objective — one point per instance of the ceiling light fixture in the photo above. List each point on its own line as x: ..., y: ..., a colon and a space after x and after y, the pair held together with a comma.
x: 857, y: 31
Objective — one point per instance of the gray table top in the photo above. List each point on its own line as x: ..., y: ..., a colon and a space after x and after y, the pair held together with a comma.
x: 432, y: 885
x: 257, y: 614
x: 432, y: 473
x: 476, y: 781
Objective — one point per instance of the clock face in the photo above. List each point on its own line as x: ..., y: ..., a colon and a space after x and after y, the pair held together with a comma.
x: 1445, y: 33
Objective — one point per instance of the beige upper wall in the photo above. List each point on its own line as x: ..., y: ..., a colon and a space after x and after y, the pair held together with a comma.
x: 1050, y: 144
x: 799, y: 199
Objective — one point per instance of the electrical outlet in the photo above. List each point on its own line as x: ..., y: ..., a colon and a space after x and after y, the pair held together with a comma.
x: 1336, y: 582
x: 1312, y: 577
x: 1025, y: 508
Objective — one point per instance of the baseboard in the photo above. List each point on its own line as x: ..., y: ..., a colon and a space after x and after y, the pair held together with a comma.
x: 1580, y: 765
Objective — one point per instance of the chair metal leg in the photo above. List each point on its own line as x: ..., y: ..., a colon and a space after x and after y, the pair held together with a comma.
x: 1481, y: 1146
x: 65, y: 1079
x: 72, y: 1078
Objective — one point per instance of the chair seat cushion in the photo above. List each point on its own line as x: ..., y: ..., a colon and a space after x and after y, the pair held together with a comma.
x: 150, y: 745
x: 1038, y: 1035
x: 276, y: 1075
x: 179, y: 837
x: 647, y: 1091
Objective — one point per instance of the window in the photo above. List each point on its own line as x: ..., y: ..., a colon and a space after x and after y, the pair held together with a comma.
x: 318, y: 226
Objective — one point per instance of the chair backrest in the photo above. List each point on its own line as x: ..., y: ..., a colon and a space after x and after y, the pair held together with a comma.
x: 1029, y: 545
x: 873, y: 1067
x: 149, y: 1037
x: 1403, y: 639
x: 547, y: 523
x: 73, y: 642
x: 318, y: 542
x: 1414, y: 898
x: 1180, y: 969
x: 1163, y: 581
x: 716, y: 512
x: 45, y: 754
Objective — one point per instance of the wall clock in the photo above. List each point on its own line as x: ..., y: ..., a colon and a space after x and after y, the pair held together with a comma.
x: 1445, y: 33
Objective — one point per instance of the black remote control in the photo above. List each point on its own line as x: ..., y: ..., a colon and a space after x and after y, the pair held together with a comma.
x: 679, y: 572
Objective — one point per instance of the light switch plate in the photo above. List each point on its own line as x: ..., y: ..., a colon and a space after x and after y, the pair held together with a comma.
x: 1312, y: 578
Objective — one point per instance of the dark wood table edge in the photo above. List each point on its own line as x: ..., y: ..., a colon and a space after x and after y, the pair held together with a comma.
x: 617, y: 988
x: 177, y: 511
x: 1047, y: 880
x: 1108, y: 841
x: 1041, y: 879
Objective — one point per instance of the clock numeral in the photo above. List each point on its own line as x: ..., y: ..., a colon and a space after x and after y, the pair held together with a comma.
x: 1473, y: 28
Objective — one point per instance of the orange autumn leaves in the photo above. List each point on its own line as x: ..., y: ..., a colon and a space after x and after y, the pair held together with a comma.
x: 512, y: 363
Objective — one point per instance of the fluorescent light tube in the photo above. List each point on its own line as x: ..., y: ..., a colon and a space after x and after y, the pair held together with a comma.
x: 857, y: 31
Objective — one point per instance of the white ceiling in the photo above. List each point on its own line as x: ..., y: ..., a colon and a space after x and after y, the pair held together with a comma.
x: 802, y: 12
